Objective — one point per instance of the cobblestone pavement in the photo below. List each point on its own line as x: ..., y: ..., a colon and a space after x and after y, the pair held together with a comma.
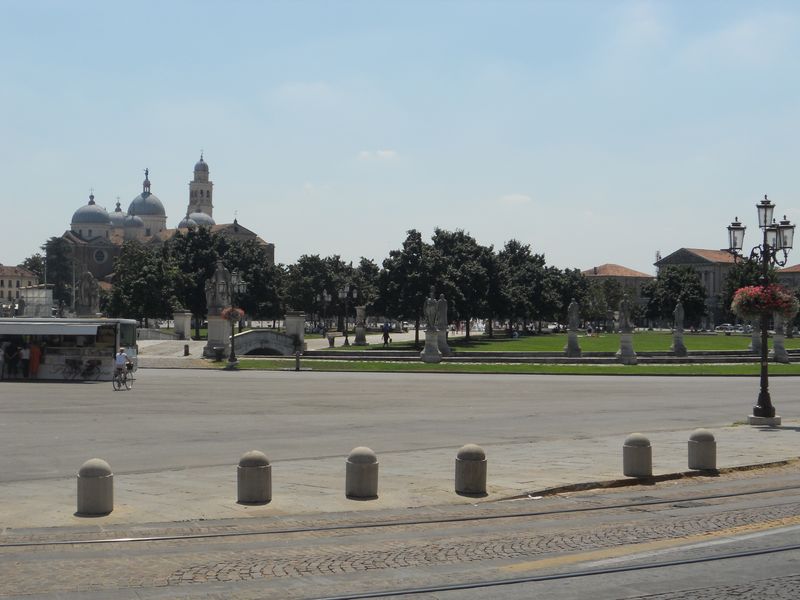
x: 779, y: 587
x: 310, y: 564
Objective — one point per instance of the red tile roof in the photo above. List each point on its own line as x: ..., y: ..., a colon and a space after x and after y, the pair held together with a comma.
x: 612, y: 270
x: 717, y: 256
x: 792, y: 269
x: 16, y: 272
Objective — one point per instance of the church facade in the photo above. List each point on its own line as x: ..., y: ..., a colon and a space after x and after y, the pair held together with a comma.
x: 96, y: 235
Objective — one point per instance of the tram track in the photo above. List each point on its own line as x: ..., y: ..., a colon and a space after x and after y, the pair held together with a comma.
x: 399, y: 523
x: 580, y: 573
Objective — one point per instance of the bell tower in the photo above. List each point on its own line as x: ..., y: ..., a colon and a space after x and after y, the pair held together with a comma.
x: 201, y: 190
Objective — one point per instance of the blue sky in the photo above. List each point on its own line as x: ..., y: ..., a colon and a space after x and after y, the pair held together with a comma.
x: 594, y: 131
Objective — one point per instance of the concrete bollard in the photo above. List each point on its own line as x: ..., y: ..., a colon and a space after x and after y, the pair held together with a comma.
x: 637, y: 456
x: 186, y: 349
x: 95, y: 488
x: 702, y: 450
x: 253, y: 479
x: 471, y: 471
x: 361, y: 480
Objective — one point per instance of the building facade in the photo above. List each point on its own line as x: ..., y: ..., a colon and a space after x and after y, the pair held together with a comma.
x: 632, y: 281
x: 712, y: 266
x: 96, y: 235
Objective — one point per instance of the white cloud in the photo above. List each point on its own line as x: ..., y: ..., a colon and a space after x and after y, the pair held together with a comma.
x: 757, y: 40
x: 515, y: 199
x: 377, y: 155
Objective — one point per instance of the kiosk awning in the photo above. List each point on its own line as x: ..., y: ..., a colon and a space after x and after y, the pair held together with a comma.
x: 23, y: 328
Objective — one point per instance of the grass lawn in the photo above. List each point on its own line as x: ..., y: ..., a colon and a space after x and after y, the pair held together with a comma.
x: 420, y: 367
x: 645, y: 341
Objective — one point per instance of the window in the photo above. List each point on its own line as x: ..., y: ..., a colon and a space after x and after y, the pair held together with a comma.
x: 17, y: 282
x: 147, y: 231
x: 90, y: 233
x: 100, y: 256
x: 2, y: 283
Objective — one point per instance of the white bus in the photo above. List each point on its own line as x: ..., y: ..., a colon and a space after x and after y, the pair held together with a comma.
x: 65, y: 349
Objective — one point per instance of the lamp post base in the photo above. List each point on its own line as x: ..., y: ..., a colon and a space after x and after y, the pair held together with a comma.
x: 774, y: 421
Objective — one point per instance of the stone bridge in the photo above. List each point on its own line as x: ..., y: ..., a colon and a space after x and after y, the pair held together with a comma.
x: 265, y: 341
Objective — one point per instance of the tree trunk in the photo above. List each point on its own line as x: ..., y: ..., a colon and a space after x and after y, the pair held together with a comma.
x: 490, y: 328
x: 467, y: 320
x: 416, y: 332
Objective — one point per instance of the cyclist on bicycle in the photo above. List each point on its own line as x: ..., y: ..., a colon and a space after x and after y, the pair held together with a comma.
x: 121, y: 362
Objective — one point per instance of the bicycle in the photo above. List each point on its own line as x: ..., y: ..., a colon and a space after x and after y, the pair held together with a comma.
x: 123, y: 378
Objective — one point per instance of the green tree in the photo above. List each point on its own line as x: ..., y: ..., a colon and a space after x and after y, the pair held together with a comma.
x: 194, y: 255
x: 35, y: 264
x: 143, y: 283
x: 465, y: 276
x: 521, y: 272
x: 405, y: 279
x: 263, y: 281
x: 59, y: 266
x: 671, y: 285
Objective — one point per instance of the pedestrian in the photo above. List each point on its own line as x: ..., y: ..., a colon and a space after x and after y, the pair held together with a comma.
x: 25, y: 359
x: 386, y: 338
x: 36, y: 359
x: 12, y: 359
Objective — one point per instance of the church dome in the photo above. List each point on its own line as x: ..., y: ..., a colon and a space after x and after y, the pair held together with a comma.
x: 201, y: 219
x: 117, y: 217
x: 201, y: 165
x: 187, y: 223
x: 133, y: 222
x: 91, y: 214
x: 147, y: 204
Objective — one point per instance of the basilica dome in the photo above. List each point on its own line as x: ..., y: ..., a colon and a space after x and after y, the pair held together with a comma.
x: 187, y: 223
x: 201, y: 165
x: 90, y: 214
x: 117, y: 217
x: 201, y: 219
x: 147, y: 204
x: 133, y: 222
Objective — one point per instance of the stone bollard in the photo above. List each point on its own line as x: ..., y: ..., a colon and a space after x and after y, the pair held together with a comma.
x: 95, y: 488
x: 637, y: 456
x: 702, y: 450
x: 471, y: 471
x: 254, y: 479
x: 186, y: 349
x: 361, y: 481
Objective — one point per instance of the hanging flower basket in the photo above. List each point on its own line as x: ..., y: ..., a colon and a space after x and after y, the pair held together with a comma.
x: 232, y: 314
x: 753, y: 301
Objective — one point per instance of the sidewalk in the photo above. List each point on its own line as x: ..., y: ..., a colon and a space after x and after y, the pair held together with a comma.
x: 407, y: 479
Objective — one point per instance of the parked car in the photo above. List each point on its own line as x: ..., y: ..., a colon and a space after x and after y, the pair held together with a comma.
x: 725, y: 327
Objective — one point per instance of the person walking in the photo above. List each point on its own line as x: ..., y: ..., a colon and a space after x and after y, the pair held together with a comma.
x: 25, y: 359
x: 36, y: 358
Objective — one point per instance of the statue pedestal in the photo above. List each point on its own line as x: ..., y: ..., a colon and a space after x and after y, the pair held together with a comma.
x: 572, y: 349
x: 431, y: 352
x: 755, y: 339
x: 442, y: 343
x: 678, y: 348
x: 626, y: 354
x: 361, y: 336
x: 219, y: 334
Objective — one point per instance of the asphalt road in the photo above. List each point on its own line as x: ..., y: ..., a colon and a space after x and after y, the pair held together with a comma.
x: 192, y: 418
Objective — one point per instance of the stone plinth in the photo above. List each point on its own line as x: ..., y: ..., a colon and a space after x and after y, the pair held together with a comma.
x: 183, y: 324
x: 361, y: 326
x: 431, y: 354
x: 755, y: 338
x: 767, y: 421
x: 441, y: 342
x: 626, y: 355
x: 779, y: 353
x: 219, y: 335
x: 295, y: 322
x: 678, y: 347
x: 572, y: 349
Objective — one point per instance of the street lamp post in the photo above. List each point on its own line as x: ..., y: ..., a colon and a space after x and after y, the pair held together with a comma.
x: 324, y: 298
x: 776, y: 237
x: 344, y: 295
x: 238, y: 286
